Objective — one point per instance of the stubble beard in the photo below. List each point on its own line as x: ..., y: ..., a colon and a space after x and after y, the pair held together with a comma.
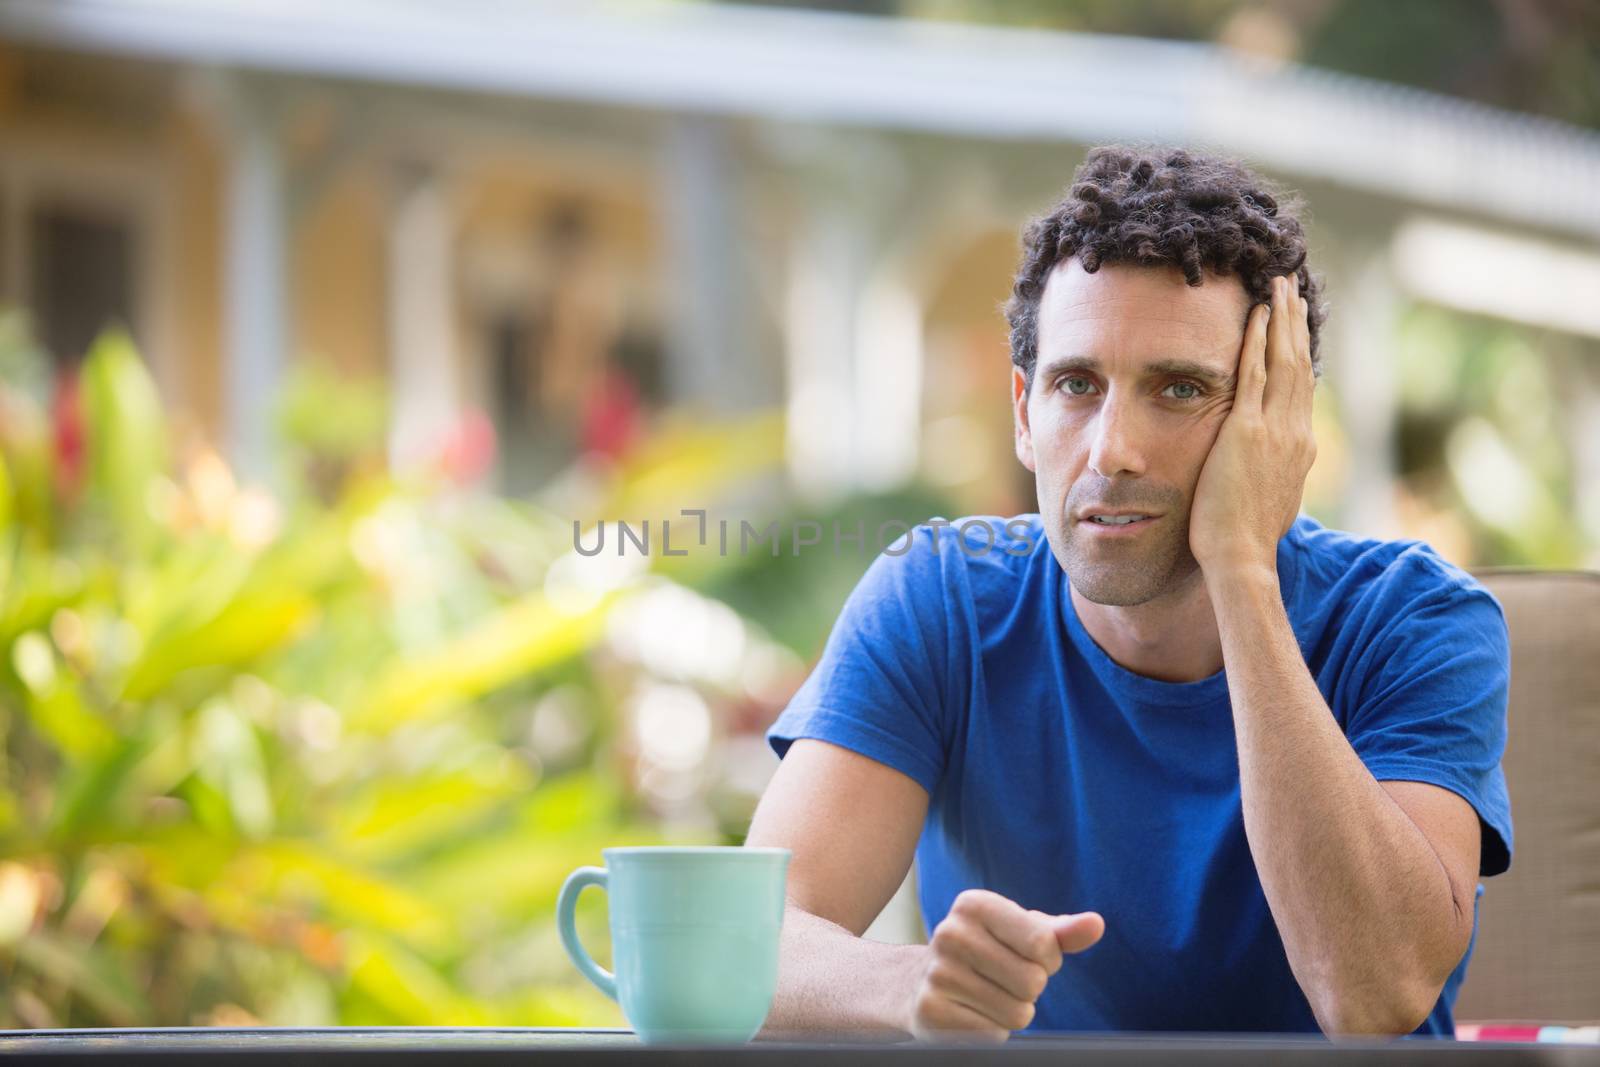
x: 1132, y: 572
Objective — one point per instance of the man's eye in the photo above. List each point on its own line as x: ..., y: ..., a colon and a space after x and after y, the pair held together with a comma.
x: 1072, y: 385
x: 1192, y: 390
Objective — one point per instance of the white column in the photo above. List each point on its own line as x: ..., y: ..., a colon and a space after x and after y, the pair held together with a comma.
x: 256, y: 295
x: 1368, y: 372
x: 887, y: 403
x: 424, y: 388
x: 853, y: 330
x: 712, y: 363
x: 825, y: 277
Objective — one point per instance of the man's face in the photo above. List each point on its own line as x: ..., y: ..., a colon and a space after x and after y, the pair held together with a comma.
x: 1135, y: 374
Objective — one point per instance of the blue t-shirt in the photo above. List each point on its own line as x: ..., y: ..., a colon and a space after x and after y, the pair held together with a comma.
x: 1068, y: 783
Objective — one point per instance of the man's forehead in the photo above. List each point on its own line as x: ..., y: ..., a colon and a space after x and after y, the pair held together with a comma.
x: 1071, y: 288
x: 1143, y: 305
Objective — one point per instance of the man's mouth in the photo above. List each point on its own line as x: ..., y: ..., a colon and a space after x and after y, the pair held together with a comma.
x: 1110, y: 522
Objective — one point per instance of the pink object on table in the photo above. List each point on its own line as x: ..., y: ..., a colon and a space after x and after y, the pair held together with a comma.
x: 1505, y: 1031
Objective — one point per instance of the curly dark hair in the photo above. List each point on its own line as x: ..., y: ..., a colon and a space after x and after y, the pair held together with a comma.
x: 1150, y: 207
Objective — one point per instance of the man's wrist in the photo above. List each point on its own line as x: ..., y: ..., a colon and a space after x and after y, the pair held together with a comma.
x: 1230, y: 579
x: 1251, y: 617
x: 907, y: 985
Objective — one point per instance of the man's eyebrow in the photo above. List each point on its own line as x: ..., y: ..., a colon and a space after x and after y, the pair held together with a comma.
x: 1190, y: 369
x: 1181, y: 367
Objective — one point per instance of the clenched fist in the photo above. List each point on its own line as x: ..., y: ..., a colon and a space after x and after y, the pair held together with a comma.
x: 988, y: 962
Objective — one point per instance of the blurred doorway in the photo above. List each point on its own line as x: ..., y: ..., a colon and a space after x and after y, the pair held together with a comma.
x: 80, y: 269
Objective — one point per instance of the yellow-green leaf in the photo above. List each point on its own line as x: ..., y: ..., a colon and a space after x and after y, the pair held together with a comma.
x: 246, y: 629
x: 127, y: 432
x: 519, y: 640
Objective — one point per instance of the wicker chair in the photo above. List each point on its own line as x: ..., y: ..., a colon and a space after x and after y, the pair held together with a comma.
x: 1537, y: 956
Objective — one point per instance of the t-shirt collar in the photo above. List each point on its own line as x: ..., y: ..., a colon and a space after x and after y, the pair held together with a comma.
x: 1138, y: 688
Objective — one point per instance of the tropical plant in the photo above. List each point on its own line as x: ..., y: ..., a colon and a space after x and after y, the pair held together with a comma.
x: 327, y: 759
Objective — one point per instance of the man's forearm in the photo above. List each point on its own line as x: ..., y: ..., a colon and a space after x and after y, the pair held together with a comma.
x: 1362, y: 901
x: 830, y: 980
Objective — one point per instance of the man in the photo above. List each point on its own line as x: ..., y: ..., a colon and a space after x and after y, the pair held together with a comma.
x: 1168, y: 756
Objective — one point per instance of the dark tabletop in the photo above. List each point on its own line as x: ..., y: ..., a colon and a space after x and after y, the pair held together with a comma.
x: 259, y: 1047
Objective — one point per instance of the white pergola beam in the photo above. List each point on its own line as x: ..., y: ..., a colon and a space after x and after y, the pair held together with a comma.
x: 256, y: 300
x: 970, y: 81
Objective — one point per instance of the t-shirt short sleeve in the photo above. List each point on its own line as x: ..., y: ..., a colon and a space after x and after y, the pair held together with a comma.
x: 884, y: 684
x: 1433, y: 709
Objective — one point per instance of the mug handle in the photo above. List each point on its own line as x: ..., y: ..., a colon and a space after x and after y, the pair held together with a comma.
x: 566, y: 916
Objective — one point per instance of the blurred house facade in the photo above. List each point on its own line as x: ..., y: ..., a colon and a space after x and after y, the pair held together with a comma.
x: 573, y: 217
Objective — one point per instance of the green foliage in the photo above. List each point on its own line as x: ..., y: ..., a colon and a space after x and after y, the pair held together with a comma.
x: 1538, y: 57
x: 293, y: 764
x: 333, y: 428
x: 1482, y: 432
x: 128, y: 448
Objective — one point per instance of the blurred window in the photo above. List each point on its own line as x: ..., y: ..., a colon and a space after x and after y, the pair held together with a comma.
x: 533, y: 445
x: 80, y: 267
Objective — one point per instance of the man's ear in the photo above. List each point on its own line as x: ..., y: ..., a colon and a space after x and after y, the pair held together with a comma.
x: 1019, y: 413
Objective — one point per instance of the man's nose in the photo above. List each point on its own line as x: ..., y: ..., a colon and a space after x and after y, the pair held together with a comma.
x: 1115, y: 445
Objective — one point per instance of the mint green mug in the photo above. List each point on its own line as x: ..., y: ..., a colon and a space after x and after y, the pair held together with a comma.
x: 694, y: 937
